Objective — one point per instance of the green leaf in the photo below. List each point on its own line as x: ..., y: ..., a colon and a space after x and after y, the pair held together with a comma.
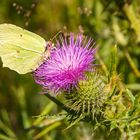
x: 46, y: 130
x: 45, y: 111
x: 3, y: 137
x: 113, y: 60
x: 6, y: 129
x: 113, y: 125
x: 134, y: 19
x: 134, y: 86
x: 130, y: 95
x: 74, y: 122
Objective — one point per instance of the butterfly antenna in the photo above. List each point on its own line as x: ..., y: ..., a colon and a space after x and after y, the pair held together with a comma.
x: 56, y: 35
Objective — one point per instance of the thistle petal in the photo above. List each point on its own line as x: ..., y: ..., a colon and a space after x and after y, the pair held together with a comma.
x: 67, y: 63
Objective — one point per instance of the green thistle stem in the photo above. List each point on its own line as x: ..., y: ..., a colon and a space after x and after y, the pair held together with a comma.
x: 67, y: 109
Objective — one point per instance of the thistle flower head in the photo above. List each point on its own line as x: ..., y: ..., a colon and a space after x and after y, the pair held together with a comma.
x: 67, y: 63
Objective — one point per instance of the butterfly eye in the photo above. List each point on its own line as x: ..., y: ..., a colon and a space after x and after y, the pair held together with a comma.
x: 49, y: 46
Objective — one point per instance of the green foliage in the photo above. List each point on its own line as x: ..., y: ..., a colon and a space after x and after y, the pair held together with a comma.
x: 110, y: 23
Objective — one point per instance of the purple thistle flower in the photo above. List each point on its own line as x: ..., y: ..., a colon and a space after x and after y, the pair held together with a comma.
x: 67, y: 64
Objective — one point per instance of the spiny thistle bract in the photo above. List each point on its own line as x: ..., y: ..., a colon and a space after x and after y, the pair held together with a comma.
x: 88, y: 99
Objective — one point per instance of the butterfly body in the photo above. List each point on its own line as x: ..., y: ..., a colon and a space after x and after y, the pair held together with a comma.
x: 48, y: 49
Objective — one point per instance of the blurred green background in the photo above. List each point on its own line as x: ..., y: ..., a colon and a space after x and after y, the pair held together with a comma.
x: 109, y: 23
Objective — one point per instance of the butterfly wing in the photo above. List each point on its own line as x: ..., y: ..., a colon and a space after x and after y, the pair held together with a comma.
x: 20, y: 49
